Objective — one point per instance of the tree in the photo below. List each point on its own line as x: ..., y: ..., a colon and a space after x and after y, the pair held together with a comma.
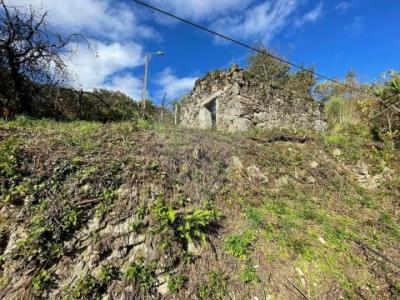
x: 278, y: 74
x: 267, y: 68
x: 31, y: 55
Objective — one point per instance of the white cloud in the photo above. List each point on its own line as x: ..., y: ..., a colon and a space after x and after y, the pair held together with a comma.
x: 112, y: 28
x: 311, y: 17
x: 343, y: 6
x: 92, y: 69
x: 202, y: 9
x: 172, y: 85
x: 261, y: 22
x: 127, y: 84
x: 106, y: 19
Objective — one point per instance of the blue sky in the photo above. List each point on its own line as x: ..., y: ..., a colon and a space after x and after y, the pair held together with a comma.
x: 332, y: 36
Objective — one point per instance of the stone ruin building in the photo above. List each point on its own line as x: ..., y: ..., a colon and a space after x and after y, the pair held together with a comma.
x: 233, y: 101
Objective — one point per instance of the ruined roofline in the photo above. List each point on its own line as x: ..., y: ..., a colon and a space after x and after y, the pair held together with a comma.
x: 220, y: 79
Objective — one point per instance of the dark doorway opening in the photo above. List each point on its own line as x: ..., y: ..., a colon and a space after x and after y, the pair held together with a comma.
x: 212, y: 108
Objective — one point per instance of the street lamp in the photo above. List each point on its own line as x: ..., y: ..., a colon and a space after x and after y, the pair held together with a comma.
x: 146, y: 67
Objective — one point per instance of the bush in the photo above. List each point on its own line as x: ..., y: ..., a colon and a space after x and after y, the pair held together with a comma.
x: 214, y: 288
x: 141, y: 274
x: 340, y: 111
x: 176, y: 283
x: 187, y: 225
x: 239, y: 245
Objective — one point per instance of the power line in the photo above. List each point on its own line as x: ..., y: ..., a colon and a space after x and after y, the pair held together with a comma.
x: 242, y: 44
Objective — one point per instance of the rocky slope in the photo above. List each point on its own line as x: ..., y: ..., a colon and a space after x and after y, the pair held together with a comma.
x: 121, y: 211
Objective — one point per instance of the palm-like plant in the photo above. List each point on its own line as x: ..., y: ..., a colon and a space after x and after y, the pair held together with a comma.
x: 390, y: 90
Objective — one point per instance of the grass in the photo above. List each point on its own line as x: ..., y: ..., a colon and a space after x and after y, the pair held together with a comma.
x: 140, y: 182
x: 214, y: 288
x: 240, y: 245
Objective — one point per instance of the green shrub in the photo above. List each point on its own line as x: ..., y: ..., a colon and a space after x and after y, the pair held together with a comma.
x: 42, y: 281
x: 215, y: 288
x: 142, y: 274
x: 85, y: 288
x: 194, y: 224
x: 176, y: 283
x: 188, y: 225
x: 239, y: 245
x: 106, y: 205
x: 91, y: 287
x: 255, y: 217
x: 249, y: 274
x: 143, y: 124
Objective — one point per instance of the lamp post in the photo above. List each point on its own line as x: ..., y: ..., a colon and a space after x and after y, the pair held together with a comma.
x: 146, y: 67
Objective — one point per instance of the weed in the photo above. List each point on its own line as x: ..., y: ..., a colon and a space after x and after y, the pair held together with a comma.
x: 107, y: 275
x: 239, y: 245
x: 300, y: 246
x: 195, y: 223
x: 311, y: 213
x: 249, y: 274
x: 8, y: 160
x: 143, y: 275
x: 188, y: 225
x: 91, y: 287
x: 42, y: 281
x: 176, y: 283
x: 389, y: 225
x: 255, y: 217
x: 137, y: 225
x: 397, y: 287
x: 106, y: 205
x: 214, y: 288
x: 85, y: 288
x: 72, y: 219
x: 143, y: 124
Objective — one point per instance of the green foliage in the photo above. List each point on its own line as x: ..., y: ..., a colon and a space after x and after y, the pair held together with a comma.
x: 341, y: 111
x: 249, y: 274
x: 8, y: 160
x: 109, y: 195
x: 195, y: 223
x: 267, y: 68
x: 137, y: 225
x: 42, y: 281
x: 107, y: 275
x: 300, y: 246
x: 72, y: 219
x: 143, y: 124
x: 85, y: 288
x: 142, y: 274
x: 240, y: 245
x: 93, y: 287
x: 390, y: 225
x: 391, y: 88
x: 215, y: 287
x: 278, y: 75
x: 255, y: 217
x: 188, y: 225
x: 397, y: 287
x: 176, y: 283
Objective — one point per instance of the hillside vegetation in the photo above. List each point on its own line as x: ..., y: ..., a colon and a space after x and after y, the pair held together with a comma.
x: 134, y: 211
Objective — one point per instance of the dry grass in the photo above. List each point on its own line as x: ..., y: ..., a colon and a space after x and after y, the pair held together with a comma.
x: 305, y: 207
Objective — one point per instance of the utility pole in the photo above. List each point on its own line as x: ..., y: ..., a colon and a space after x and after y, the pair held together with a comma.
x: 162, y: 108
x: 148, y: 57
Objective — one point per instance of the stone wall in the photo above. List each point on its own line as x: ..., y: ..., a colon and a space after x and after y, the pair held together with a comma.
x: 234, y: 101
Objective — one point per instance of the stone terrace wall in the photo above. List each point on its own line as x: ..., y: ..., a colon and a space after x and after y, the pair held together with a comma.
x: 242, y: 103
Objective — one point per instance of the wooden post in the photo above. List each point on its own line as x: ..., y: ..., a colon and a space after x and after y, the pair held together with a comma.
x: 176, y: 114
